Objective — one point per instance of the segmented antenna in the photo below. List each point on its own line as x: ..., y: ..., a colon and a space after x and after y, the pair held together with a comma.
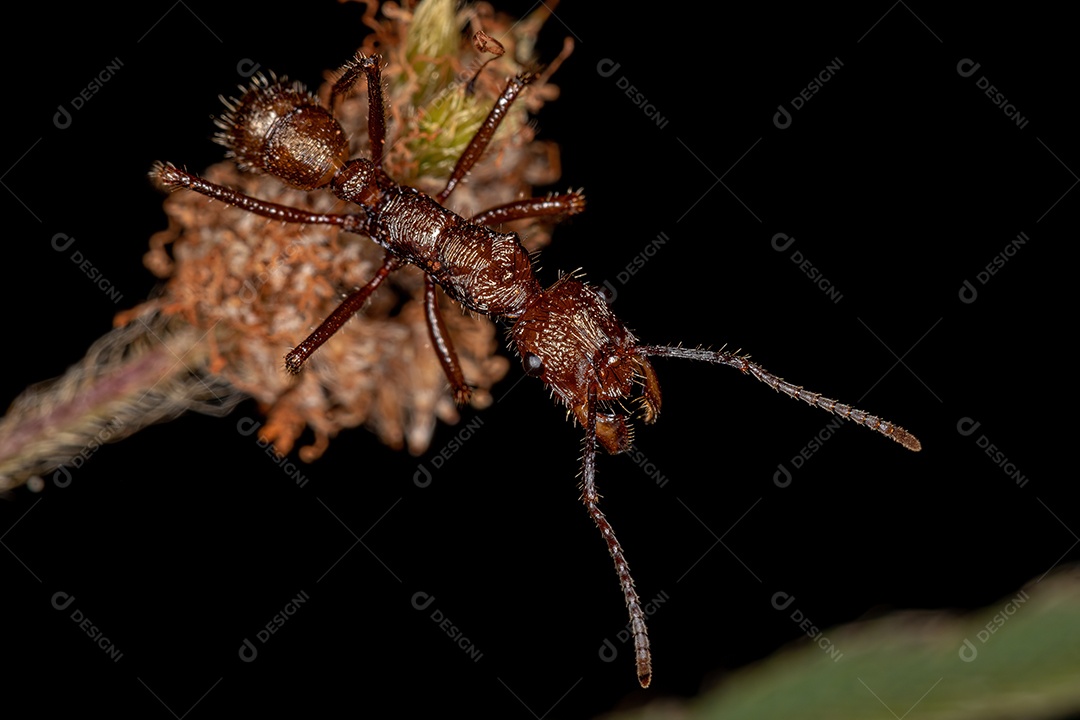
x: 740, y: 362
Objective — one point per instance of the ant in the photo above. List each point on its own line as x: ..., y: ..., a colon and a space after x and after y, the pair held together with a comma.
x: 565, y: 335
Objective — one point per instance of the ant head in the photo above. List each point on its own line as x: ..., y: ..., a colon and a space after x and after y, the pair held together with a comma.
x: 570, y: 339
x: 279, y: 128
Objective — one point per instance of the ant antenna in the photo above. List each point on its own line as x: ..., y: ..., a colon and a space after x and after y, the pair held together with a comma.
x: 742, y: 363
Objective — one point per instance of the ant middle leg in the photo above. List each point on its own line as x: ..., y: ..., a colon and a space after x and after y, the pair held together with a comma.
x: 171, y: 177
x: 567, y: 204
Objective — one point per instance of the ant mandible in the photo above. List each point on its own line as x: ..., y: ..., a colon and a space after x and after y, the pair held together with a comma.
x: 566, y: 335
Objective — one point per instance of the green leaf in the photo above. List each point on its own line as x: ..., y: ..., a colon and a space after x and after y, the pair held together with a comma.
x: 1018, y: 658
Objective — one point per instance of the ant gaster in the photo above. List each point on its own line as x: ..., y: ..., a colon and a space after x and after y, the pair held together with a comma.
x: 566, y: 335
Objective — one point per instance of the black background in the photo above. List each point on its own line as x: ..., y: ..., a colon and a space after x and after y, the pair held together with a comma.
x: 899, y: 180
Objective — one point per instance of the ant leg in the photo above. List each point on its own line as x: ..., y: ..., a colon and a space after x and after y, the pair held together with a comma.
x: 350, y: 73
x: 571, y: 203
x: 740, y: 362
x: 170, y: 177
x: 294, y: 361
x: 483, y: 136
x: 591, y: 498
x: 444, y: 348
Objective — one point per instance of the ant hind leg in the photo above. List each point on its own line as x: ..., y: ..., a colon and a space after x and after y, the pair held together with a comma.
x: 444, y: 348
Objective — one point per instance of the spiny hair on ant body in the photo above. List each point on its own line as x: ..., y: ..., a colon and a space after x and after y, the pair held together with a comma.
x: 566, y: 335
x: 246, y: 125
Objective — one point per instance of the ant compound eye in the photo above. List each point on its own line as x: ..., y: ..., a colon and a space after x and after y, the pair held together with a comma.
x: 534, y: 366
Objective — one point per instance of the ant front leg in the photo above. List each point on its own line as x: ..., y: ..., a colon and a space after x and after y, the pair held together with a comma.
x: 170, y: 177
x: 591, y: 498
x: 350, y: 73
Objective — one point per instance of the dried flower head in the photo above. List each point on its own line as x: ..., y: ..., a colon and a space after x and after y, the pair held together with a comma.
x: 240, y: 291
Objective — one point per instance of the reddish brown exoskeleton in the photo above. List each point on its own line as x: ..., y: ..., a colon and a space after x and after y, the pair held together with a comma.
x: 566, y: 335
